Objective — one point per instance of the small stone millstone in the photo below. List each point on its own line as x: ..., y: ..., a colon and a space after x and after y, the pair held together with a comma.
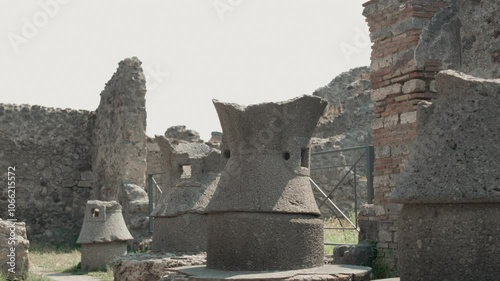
x: 104, y: 234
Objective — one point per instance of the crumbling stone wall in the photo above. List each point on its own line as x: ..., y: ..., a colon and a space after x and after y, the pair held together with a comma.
x: 412, y: 41
x: 50, y: 149
x: 119, y: 150
x: 64, y: 157
x: 398, y: 84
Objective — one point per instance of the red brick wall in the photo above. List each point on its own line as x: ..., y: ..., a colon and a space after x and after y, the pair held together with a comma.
x: 398, y: 86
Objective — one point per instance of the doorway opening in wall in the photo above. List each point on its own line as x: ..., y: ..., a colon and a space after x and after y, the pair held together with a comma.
x: 342, y: 181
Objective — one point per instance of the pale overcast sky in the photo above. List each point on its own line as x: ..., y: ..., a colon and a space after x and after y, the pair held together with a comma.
x: 60, y: 53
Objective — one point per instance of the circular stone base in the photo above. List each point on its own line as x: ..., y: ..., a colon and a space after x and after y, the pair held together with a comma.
x: 325, y: 272
x: 264, y: 241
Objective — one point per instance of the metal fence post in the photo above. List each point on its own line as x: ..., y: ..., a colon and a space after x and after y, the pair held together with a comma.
x: 150, y: 197
x: 370, y: 158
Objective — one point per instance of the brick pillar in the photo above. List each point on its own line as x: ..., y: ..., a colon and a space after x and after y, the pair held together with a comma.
x: 399, y: 83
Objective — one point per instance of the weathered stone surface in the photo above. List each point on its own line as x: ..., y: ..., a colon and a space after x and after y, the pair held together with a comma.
x: 103, y: 222
x: 264, y: 242
x: 151, y: 267
x: 480, y: 38
x: 449, y: 242
x: 360, y: 254
x: 464, y: 36
x: 215, y: 140
x: 50, y: 150
x: 350, y: 107
x: 181, y: 133
x: 268, y: 150
x: 325, y: 272
x: 13, y: 264
x: 119, y: 139
x: 264, y: 193
x: 193, y: 171
x: 440, y: 41
x: 455, y: 157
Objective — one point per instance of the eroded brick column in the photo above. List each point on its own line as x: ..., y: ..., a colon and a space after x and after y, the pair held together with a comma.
x: 399, y: 83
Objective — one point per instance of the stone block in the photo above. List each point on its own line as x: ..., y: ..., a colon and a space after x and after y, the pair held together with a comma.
x: 84, y: 183
x: 385, y: 236
x: 449, y: 241
x: 408, y: 117
x: 360, y: 254
x: 377, y: 123
x: 460, y: 163
x: 87, y: 176
x: 148, y: 267
x: 432, y: 87
x: 382, y: 93
x: 391, y: 121
x: 383, y: 151
x: 413, y: 86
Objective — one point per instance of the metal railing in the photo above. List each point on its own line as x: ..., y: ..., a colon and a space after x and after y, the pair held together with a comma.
x: 151, y: 197
x: 326, y: 199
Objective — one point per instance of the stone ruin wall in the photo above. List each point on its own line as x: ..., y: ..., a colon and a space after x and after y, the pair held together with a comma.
x: 412, y: 41
x: 119, y: 145
x: 51, y: 150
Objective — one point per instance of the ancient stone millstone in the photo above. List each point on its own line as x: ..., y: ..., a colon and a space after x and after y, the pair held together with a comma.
x: 449, y: 227
x: 104, y: 234
x: 193, y: 170
x: 263, y: 215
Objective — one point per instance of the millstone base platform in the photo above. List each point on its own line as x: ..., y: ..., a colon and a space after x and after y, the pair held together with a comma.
x: 326, y: 272
x: 244, y: 241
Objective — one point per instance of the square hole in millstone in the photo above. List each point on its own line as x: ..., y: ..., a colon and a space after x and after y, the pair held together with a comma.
x: 186, y: 171
x: 304, y: 157
x: 95, y: 212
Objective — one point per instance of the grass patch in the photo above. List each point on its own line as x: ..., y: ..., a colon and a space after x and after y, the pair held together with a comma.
x: 48, y: 258
x: 341, y: 236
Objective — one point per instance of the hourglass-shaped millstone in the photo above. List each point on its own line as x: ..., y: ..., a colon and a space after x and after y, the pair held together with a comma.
x: 263, y: 215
